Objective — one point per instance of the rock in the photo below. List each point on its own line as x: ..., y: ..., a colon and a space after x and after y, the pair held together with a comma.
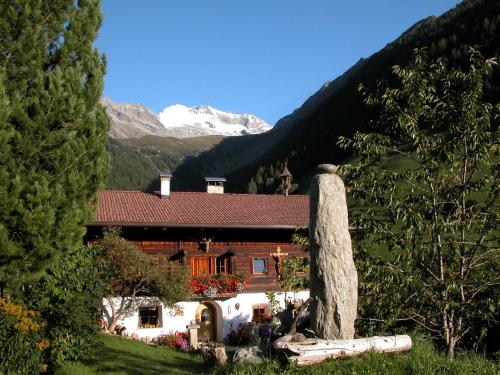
x: 333, y: 277
x: 134, y: 336
x: 326, y: 168
x: 250, y: 354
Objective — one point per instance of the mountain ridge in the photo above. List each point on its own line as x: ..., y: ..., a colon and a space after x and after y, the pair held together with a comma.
x: 136, y: 120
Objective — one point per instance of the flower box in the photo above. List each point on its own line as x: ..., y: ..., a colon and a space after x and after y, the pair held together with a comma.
x: 210, y: 286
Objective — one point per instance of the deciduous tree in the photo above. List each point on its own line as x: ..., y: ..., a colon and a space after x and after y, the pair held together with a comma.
x: 137, y: 279
x: 427, y: 178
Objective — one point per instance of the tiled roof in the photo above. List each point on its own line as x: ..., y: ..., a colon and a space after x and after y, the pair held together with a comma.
x: 181, y: 209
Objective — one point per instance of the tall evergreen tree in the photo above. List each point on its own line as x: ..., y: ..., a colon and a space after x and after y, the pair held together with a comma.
x: 52, y: 131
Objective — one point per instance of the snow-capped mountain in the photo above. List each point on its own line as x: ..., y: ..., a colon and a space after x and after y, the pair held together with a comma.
x: 205, y: 120
x: 135, y: 120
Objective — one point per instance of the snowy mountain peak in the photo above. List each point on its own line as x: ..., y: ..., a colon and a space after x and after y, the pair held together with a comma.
x: 206, y: 120
x: 135, y: 120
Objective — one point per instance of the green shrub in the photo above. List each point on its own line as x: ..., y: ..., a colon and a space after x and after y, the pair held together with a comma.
x: 69, y: 298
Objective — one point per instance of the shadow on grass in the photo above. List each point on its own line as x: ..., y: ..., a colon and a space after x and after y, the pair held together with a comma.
x: 113, y: 360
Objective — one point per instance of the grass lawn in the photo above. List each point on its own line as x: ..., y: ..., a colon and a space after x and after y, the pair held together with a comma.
x: 123, y: 356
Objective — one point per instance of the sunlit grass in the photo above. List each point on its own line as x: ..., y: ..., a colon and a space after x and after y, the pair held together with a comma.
x: 119, y: 356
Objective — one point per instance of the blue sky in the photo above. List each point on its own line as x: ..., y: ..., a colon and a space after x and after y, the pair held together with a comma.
x: 264, y: 57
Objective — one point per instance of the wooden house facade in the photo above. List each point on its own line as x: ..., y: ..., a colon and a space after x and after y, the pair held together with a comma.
x: 210, y: 233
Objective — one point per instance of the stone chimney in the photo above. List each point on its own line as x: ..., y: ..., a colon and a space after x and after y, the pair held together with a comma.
x: 215, y: 185
x: 165, y: 184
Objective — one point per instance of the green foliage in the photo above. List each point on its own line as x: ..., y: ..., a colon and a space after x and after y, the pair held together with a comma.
x: 301, y: 237
x: 267, y: 179
x: 273, y: 302
x: 294, y: 274
x: 136, y: 278
x: 69, y: 297
x: 52, y: 158
x: 252, y: 187
x: 52, y: 131
x: 21, y: 339
x: 439, y: 215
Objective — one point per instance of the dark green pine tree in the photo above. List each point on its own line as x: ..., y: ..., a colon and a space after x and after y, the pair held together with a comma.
x: 259, y: 179
x: 52, y: 131
x: 252, y: 187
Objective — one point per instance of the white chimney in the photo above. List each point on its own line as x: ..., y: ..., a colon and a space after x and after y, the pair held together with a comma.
x: 215, y: 185
x: 165, y: 184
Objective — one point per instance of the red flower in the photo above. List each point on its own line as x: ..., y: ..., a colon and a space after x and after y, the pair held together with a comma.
x: 222, y: 282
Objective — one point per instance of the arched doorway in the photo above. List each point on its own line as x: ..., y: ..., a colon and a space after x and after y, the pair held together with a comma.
x: 206, y: 319
x: 209, y: 318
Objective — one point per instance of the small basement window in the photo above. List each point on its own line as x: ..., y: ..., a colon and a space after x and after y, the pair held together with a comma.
x: 150, y: 317
x: 259, y: 265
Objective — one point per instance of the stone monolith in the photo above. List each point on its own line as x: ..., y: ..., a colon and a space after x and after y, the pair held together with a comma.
x: 334, y: 280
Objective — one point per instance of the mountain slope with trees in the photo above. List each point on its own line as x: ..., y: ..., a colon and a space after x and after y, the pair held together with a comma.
x: 338, y: 109
x: 137, y: 162
x: 309, y: 135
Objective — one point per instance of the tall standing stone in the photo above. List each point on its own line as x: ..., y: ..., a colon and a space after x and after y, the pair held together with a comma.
x: 334, y: 281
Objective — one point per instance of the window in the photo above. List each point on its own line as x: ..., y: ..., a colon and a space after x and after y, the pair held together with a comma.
x: 150, y: 317
x: 209, y: 265
x: 201, y: 266
x: 259, y: 265
x: 259, y: 312
x: 222, y: 265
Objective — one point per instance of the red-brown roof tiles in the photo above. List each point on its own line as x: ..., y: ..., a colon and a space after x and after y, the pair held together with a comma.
x: 181, y: 209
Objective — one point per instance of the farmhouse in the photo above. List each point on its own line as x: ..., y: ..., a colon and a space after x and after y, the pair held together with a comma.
x: 210, y: 233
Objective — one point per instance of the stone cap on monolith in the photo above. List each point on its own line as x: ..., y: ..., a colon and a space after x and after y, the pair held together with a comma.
x: 326, y: 169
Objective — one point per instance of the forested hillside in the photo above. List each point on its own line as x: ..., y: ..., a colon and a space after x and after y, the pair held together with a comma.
x: 339, y: 110
x: 136, y: 162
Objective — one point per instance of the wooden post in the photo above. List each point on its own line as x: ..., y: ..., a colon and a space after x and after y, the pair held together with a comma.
x: 193, y: 334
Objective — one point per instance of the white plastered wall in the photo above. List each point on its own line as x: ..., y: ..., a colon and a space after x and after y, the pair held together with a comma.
x: 231, y: 317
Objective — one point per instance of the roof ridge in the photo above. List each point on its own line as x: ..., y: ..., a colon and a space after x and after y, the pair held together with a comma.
x: 203, y: 192
x: 203, y: 209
